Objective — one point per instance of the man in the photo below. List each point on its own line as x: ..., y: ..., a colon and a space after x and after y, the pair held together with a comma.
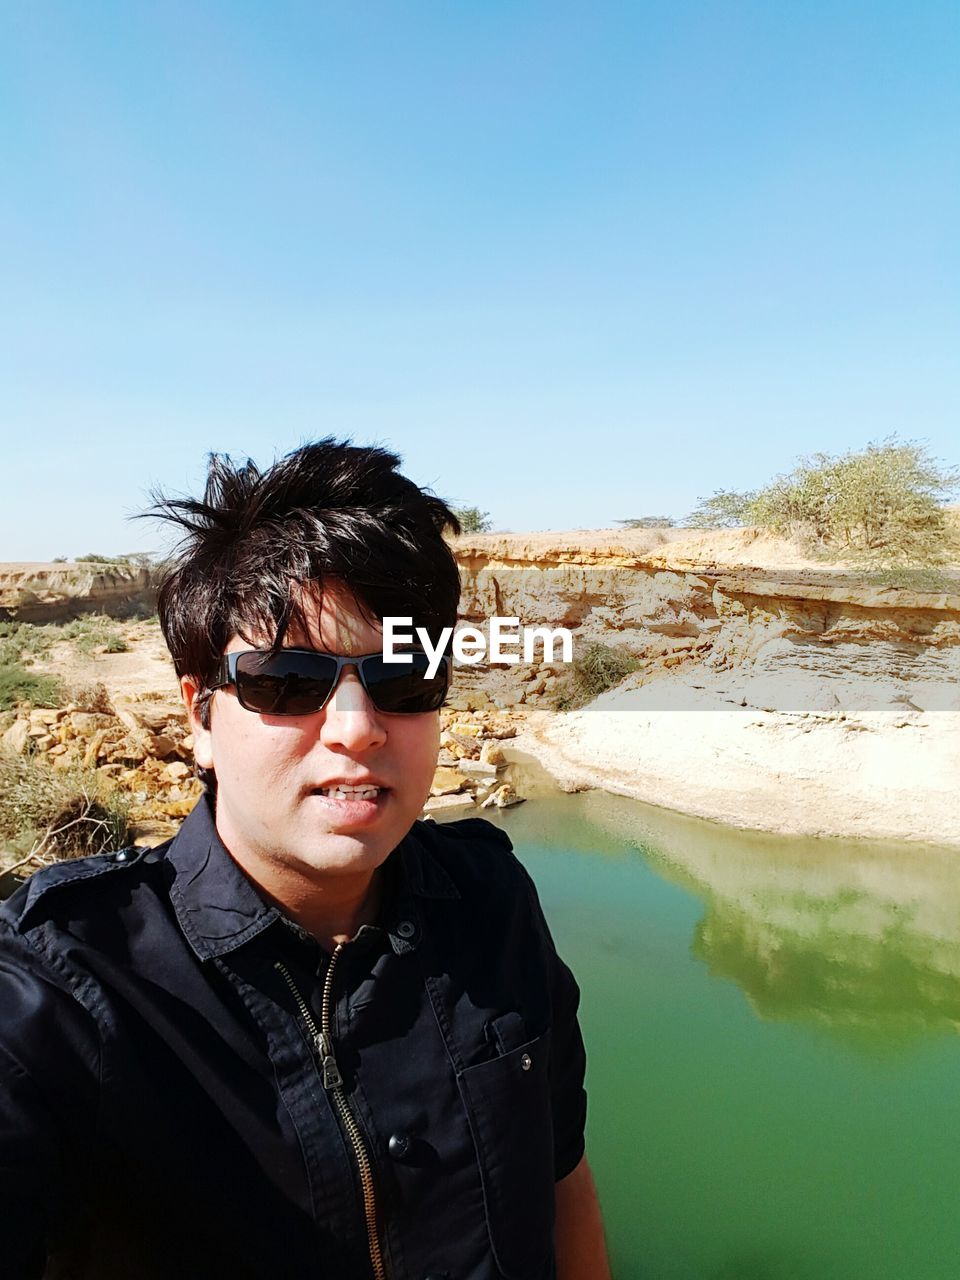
x: 311, y: 1035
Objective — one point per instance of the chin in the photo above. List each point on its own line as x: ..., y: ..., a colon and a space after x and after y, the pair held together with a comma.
x: 337, y: 851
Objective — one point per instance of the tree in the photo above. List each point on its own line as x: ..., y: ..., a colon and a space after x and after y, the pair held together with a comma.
x: 724, y: 509
x: 648, y: 522
x: 881, y: 505
x: 473, y: 520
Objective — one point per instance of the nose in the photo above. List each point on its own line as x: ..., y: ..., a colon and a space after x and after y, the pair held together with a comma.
x: 350, y: 720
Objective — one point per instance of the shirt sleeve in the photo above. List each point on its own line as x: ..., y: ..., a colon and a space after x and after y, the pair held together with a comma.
x: 49, y: 1062
x: 568, y: 1063
x: 568, y: 1059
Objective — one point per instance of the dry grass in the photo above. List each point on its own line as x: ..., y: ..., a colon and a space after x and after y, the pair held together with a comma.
x: 48, y: 814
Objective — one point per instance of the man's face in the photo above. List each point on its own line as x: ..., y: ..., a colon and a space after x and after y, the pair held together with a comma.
x: 272, y: 771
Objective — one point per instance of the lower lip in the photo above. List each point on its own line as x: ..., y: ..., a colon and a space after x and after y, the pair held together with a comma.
x: 352, y: 812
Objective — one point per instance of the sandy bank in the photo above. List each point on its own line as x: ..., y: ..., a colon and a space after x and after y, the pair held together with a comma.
x: 883, y: 772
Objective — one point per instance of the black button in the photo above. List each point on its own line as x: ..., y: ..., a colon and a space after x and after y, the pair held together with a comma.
x: 406, y: 929
x: 399, y: 1147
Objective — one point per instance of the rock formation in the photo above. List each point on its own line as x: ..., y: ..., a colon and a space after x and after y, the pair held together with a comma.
x: 56, y: 592
x: 792, y: 699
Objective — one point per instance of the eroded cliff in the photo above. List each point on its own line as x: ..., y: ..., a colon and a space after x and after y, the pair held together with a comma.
x: 37, y: 592
x: 771, y: 692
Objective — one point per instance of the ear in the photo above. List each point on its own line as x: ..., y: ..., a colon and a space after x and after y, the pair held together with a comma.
x: 202, y: 737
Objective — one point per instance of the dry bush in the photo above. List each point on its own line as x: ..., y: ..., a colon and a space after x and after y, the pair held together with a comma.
x: 596, y: 669
x: 48, y: 814
x: 86, y: 695
x: 881, y: 506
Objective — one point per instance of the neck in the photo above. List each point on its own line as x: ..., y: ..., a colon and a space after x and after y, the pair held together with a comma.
x: 333, y: 910
x: 329, y: 906
x: 331, y: 903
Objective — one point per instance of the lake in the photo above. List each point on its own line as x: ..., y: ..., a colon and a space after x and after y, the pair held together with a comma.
x: 774, y: 1064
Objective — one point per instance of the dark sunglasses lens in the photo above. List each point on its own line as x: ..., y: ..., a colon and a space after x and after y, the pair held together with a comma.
x: 405, y: 689
x: 285, y: 683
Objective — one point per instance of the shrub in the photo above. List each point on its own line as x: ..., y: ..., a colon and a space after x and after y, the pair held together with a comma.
x: 94, y: 631
x: 86, y: 695
x: 880, y: 506
x: 725, y: 509
x: 596, y: 668
x: 92, y: 558
x: 648, y: 522
x: 20, y: 640
x: 473, y: 520
x: 17, y: 684
x: 57, y: 814
x: 928, y: 580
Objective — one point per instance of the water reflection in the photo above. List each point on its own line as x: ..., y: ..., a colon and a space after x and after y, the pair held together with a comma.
x: 773, y: 1071
x: 857, y: 935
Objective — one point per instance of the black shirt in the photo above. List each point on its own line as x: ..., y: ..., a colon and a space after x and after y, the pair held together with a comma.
x: 177, y: 1099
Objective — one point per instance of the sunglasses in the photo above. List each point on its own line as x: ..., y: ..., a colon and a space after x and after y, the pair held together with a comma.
x: 298, y: 682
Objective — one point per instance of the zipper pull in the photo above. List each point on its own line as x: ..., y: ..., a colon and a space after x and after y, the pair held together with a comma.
x: 331, y: 1072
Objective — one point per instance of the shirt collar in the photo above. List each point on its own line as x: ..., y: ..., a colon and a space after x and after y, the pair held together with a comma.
x: 218, y: 906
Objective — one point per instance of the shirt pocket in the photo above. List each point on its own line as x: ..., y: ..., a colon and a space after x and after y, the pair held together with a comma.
x: 508, y: 1106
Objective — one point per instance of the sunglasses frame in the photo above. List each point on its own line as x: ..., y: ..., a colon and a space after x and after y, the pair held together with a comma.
x: 227, y: 675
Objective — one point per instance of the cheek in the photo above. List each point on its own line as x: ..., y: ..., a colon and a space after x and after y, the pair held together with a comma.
x: 418, y: 743
x: 254, y: 756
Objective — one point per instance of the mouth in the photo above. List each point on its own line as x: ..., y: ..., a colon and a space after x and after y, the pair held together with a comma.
x: 351, y: 806
x: 342, y: 792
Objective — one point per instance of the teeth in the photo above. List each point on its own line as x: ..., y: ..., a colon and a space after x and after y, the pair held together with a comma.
x: 351, y: 793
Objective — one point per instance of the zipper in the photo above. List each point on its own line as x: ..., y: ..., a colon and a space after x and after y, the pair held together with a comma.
x: 333, y: 1083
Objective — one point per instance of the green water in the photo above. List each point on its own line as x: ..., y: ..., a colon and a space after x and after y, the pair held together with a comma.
x: 772, y: 1029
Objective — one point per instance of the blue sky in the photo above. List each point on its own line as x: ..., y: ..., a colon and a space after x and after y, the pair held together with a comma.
x: 575, y: 262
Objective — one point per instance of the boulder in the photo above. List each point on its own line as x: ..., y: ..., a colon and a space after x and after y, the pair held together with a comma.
x: 502, y: 798
x: 466, y: 729
x: 93, y: 748
x: 477, y: 769
x: 159, y: 745
x: 447, y: 782
x: 468, y: 701
x: 500, y: 728
x: 459, y: 801
x: 462, y: 747
x: 492, y: 753
x: 148, y: 715
x: 16, y: 737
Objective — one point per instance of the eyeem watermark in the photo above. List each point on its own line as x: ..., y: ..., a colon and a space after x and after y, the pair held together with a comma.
x: 509, y: 642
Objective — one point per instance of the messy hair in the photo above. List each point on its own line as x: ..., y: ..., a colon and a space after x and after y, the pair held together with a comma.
x: 330, y: 512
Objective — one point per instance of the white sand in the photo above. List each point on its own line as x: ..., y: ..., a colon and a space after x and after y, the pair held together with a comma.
x: 889, y: 772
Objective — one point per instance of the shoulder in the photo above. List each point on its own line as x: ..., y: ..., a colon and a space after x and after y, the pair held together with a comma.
x: 464, y: 833
x: 77, y: 886
x: 476, y: 859
x: 468, y: 849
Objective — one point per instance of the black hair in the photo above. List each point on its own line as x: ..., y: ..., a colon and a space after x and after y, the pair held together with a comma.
x: 328, y: 511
